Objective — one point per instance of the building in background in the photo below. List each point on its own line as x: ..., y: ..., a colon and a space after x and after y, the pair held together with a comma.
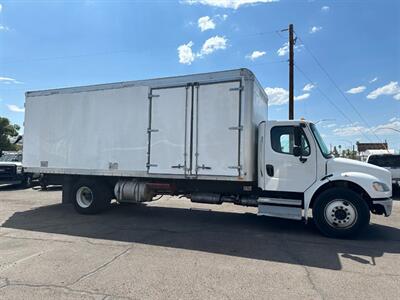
x: 366, y: 149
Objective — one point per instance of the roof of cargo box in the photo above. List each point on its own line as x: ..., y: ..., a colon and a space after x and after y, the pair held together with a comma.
x: 227, y: 75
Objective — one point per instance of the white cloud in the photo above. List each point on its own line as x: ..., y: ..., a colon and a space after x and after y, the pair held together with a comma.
x: 308, y: 87
x: 302, y: 97
x: 1, y: 7
x: 279, y: 96
x: 392, y: 88
x: 356, y: 129
x: 330, y: 125
x: 325, y: 8
x: 185, y: 53
x: 235, y: 4
x: 283, y: 50
x: 256, y: 54
x: 373, y: 80
x: 15, y: 108
x: 205, y: 23
x: 212, y: 44
x: 187, y: 56
x: 349, y: 130
x: 315, y: 29
x: 386, y: 129
x: 4, y: 28
x: 8, y: 80
x: 356, y: 90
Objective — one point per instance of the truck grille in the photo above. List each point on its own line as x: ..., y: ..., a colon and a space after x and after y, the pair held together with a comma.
x: 7, y: 172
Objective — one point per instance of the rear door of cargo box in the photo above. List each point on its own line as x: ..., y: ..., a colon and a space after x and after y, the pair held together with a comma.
x: 217, y: 129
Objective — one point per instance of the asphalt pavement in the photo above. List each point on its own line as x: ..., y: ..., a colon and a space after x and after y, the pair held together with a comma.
x: 175, y: 249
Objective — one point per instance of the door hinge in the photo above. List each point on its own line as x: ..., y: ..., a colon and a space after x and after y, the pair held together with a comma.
x: 236, y: 128
x: 235, y: 167
x: 148, y: 165
x: 153, y: 96
x: 236, y: 89
x: 179, y: 166
x: 203, y: 167
x: 149, y: 130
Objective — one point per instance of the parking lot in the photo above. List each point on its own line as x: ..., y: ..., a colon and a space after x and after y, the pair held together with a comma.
x: 173, y: 249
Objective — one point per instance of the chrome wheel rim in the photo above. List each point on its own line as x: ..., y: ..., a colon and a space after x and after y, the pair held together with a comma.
x: 340, y: 213
x: 84, y: 197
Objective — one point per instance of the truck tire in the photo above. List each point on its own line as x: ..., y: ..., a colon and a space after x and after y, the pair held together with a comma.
x: 340, y: 213
x: 90, y: 196
x: 43, y: 183
x: 27, y: 182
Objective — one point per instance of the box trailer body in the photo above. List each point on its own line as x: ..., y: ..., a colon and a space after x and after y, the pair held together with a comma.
x: 199, y: 126
x: 205, y: 136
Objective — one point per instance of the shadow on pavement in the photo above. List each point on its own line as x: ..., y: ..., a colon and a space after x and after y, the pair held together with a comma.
x: 235, y: 234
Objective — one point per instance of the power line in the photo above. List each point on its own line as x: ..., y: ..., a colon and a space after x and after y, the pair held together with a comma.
x: 330, y: 100
x: 111, y: 52
x: 337, y: 86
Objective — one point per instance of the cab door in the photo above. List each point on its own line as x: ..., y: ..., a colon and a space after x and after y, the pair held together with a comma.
x: 287, y: 169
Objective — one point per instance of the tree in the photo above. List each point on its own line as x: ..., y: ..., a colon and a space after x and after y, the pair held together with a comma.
x: 335, y: 151
x: 7, y: 130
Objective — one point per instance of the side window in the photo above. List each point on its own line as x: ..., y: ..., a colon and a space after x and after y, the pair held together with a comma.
x: 282, y: 140
x: 285, y: 143
x: 305, y: 146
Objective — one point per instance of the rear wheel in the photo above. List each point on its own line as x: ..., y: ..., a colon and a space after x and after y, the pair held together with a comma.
x: 27, y: 182
x: 90, y: 196
x: 340, y: 213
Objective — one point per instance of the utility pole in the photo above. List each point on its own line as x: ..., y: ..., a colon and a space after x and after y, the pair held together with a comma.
x: 291, y: 72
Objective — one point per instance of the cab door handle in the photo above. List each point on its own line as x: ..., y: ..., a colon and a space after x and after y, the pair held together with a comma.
x: 270, y: 170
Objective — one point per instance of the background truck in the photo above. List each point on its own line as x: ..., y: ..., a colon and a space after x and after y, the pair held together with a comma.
x: 204, y: 136
x: 12, y: 171
x: 389, y: 161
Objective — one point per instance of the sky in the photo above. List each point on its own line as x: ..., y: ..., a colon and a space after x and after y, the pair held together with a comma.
x: 347, y: 55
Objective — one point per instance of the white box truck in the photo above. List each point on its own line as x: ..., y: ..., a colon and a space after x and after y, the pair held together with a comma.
x: 205, y: 136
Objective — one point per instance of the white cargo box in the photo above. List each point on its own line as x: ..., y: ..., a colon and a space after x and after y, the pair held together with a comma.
x: 197, y: 126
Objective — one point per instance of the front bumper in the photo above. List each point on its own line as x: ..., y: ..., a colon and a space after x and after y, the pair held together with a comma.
x: 10, y: 182
x: 385, y: 204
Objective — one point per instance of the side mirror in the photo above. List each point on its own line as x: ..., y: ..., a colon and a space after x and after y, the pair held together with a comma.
x: 297, y: 151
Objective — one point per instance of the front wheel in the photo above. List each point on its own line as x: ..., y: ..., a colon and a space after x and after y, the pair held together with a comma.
x: 340, y: 213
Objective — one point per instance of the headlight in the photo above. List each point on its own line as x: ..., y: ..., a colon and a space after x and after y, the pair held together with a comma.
x: 19, y: 169
x: 380, y: 187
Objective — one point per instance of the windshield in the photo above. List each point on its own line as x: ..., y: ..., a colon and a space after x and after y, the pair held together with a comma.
x: 324, y: 149
x: 11, y: 157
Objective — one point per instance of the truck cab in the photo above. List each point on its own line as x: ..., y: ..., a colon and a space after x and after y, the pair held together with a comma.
x: 297, y: 173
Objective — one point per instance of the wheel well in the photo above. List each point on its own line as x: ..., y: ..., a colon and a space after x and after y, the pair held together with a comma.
x: 343, y: 184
